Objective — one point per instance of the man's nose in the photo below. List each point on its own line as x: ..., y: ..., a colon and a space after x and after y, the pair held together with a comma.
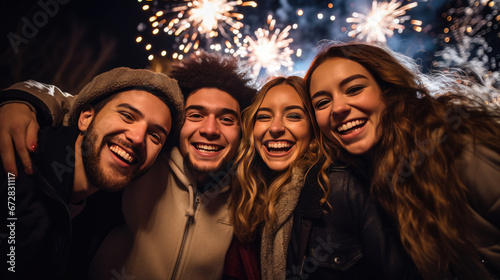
x: 137, y: 133
x: 210, y: 128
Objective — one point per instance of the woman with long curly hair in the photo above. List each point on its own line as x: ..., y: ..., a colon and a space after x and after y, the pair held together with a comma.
x: 431, y: 151
x: 280, y: 186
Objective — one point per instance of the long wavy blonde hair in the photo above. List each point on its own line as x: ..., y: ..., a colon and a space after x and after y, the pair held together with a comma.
x: 254, y: 195
x: 413, y: 174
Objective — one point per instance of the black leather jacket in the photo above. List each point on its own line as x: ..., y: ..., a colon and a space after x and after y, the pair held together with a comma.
x: 49, y: 244
x: 355, y: 239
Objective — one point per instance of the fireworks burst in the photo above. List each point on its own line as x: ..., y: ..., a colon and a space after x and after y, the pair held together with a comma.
x: 381, y: 21
x: 199, y: 21
x: 207, y: 17
x: 269, y: 50
x: 468, y: 23
x: 466, y: 47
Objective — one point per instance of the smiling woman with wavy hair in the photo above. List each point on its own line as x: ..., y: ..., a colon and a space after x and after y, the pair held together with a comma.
x: 278, y: 149
x: 259, y: 187
x: 431, y: 149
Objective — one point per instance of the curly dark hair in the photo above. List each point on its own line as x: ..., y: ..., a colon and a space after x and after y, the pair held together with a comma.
x: 212, y: 70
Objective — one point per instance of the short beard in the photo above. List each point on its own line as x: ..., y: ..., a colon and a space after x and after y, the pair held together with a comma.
x: 91, y: 155
x: 204, y: 172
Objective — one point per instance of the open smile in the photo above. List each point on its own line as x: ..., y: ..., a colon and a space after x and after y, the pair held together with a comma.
x: 351, y: 126
x: 281, y: 147
x: 123, y: 155
x: 207, y: 148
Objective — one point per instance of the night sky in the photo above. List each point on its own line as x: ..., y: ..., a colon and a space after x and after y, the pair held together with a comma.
x: 102, y: 23
x: 111, y: 18
x: 96, y: 21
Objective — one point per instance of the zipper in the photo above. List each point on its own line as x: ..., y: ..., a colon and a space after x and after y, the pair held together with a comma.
x: 302, y: 265
x: 189, y: 222
x: 305, y: 228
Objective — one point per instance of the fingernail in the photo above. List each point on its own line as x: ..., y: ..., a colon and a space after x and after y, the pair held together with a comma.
x: 34, y: 147
x: 29, y: 170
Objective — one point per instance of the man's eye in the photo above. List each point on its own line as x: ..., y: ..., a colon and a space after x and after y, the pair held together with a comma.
x: 195, y: 116
x: 156, y: 137
x: 126, y: 116
x: 227, y: 119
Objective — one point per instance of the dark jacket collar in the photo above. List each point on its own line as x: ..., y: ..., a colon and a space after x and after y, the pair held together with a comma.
x: 310, y: 195
x: 55, y: 159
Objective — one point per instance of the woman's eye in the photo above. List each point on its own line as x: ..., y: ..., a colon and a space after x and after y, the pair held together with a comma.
x: 262, y: 117
x: 322, y: 104
x: 355, y: 89
x: 295, y: 116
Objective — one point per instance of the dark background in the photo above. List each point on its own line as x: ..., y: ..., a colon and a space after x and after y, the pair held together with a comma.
x: 83, y: 39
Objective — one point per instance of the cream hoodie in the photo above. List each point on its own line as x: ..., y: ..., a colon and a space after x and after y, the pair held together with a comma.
x: 171, y: 232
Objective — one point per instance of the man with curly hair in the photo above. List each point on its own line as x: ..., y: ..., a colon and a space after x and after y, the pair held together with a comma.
x: 176, y: 215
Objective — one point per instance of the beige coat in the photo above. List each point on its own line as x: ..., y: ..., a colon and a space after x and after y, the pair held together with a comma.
x: 170, y: 232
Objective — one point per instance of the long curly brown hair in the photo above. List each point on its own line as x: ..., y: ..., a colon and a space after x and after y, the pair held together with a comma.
x: 254, y: 195
x: 426, y: 120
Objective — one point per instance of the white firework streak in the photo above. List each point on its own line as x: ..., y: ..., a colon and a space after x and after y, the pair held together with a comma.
x: 270, y: 50
x: 208, y: 18
x: 380, y: 22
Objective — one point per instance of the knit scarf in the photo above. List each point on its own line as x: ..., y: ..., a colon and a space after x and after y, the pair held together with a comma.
x: 276, y: 236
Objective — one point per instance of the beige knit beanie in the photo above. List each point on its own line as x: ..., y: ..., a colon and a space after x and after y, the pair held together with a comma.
x: 122, y: 79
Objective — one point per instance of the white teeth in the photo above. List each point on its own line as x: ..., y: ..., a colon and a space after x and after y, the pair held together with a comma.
x: 349, y: 125
x: 207, y: 148
x: 278, y: 145
x: 122, y: 153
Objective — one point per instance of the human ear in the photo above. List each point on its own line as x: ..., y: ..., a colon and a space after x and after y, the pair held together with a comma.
x: 86, y: 117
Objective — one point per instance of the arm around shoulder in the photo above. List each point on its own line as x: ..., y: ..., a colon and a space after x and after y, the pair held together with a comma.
x: 51, y: 104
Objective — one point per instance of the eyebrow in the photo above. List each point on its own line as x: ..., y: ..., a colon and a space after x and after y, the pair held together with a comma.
x: 343, y: 83
x: 222, y: 111
x: 287, y: 108
x: 352, y: 78
x: 132, y: 108
x: 135, y: 110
